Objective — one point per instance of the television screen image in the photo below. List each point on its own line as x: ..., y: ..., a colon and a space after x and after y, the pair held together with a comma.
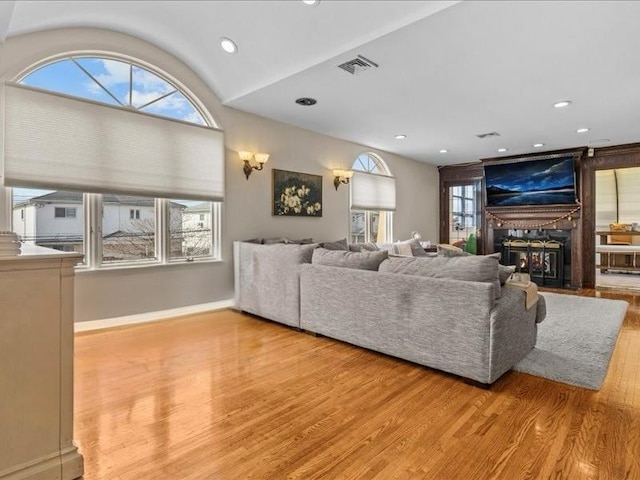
x: 536, y: 182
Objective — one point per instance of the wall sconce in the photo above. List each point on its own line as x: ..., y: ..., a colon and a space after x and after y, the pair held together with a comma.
x: 341, y: 176
x: 246, y: 157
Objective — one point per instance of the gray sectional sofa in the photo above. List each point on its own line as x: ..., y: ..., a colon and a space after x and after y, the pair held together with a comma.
x: 417, y: 309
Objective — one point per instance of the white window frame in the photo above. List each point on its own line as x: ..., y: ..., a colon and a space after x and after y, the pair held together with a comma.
x: 67, y: 210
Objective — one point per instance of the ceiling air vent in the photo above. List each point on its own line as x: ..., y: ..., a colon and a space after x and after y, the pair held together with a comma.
x: 487, y: 135
x: 358, y: 64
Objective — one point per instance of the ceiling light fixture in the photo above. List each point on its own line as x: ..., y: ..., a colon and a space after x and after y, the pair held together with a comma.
x: 538, y: 145
x: 311, y: 2
x: 562, y: 104
x: 400, y: 137
x: 228, y: 45
x: 306, y: 101
x: 582, y: 130
x: 502, y: 150
x: 444, y: 150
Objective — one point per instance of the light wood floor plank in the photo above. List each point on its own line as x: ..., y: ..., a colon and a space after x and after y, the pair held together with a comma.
x: 230, y: 396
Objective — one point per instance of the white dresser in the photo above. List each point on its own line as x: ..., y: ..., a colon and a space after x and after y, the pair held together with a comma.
x: 36, y: 366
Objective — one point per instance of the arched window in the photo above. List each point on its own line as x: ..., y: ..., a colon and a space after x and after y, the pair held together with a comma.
x: 134, y: 228
x: 370, y: 225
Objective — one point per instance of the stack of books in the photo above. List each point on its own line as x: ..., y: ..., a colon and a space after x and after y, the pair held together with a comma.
x: 9, y: 244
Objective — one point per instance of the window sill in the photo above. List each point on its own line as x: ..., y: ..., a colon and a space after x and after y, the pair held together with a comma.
x: 82, y: 269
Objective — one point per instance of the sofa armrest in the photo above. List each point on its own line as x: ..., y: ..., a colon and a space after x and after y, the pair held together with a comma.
x: 513, y: 330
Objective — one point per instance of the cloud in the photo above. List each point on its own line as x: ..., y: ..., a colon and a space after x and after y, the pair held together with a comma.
x: 147, y: 87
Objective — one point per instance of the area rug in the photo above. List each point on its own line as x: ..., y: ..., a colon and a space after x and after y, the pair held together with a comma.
x: 576, y: 340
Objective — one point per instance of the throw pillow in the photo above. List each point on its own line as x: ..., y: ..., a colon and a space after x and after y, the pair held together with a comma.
x: 270, y: 241
x: 302, y: 241
x: 446, y: 250
x: 472, y: 268
x: 336, y: 245
x: 363, y: 247
x: 504, y: 272
x: 341, y: 258
x: 414, y: 245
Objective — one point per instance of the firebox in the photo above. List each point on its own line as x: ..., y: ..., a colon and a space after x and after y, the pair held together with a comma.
x: 543, y: 260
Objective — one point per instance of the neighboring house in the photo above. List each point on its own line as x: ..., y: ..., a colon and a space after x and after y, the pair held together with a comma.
x: 56, y: 220
x: 196, y: 230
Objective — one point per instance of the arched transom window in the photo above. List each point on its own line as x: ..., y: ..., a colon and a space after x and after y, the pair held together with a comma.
x: 370, y: 163
x: 116, y: 82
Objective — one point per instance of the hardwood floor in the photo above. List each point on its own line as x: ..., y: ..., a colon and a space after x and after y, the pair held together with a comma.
x: 229, y: 396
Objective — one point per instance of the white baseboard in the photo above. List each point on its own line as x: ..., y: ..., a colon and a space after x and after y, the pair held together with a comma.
x: 47, y: 467
x: 152, y: 316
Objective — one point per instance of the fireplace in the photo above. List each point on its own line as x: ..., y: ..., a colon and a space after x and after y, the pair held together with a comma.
x: 545, y: 255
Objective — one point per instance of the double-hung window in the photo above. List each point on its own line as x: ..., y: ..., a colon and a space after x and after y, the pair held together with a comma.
x: 113, y: 158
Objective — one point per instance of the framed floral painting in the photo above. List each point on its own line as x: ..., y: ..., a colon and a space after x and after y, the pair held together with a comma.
x: 297, y: 194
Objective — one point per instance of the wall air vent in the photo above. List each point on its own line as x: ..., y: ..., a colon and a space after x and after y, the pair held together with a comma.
x: 487, y: 135
x: 358, y: 64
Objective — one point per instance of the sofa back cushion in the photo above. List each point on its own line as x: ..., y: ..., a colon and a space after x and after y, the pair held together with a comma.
x: 470, y: 268
x: 340, y: 258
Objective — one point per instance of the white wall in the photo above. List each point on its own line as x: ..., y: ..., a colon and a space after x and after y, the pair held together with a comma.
x: 48, y: 224
x: 247, y: 210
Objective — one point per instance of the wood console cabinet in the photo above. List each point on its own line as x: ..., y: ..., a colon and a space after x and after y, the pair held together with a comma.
x: 36, y: 366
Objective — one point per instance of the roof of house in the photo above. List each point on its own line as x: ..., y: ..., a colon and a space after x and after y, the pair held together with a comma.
x: 107, y: 198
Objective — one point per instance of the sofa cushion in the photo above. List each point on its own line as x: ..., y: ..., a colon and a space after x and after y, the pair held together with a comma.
x: 336, y: 245
x: 341, y: 258
x: 473, y: 268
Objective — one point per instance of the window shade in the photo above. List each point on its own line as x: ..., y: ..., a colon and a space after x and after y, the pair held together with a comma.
x: 373, y: 192
x: 606, y: 199
x: 628, y: 194
x: 63, y: 143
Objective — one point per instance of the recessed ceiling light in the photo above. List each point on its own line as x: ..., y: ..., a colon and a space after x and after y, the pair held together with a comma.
x: 582, y: 130
x: 502, y: 150
x: 306, y: 101
x: 562, y: 104
x: 228, y: 45
x: 400, y: 137
x: 311, y: 2
x: 444, y: 150
x: 538, y: 145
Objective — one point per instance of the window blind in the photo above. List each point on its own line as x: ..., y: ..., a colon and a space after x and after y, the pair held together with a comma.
x: 373, y: 192
x: 64, y: 143
x: 628, y: 194
x: 606, y: 199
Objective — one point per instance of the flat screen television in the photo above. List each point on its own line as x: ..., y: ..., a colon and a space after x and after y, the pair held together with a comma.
x: 548, y: 181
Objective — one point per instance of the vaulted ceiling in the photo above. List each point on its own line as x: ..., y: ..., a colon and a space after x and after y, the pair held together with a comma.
x: 447, y: 71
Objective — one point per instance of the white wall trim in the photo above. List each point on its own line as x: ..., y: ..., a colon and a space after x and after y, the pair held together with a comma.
x: 152, y: 316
